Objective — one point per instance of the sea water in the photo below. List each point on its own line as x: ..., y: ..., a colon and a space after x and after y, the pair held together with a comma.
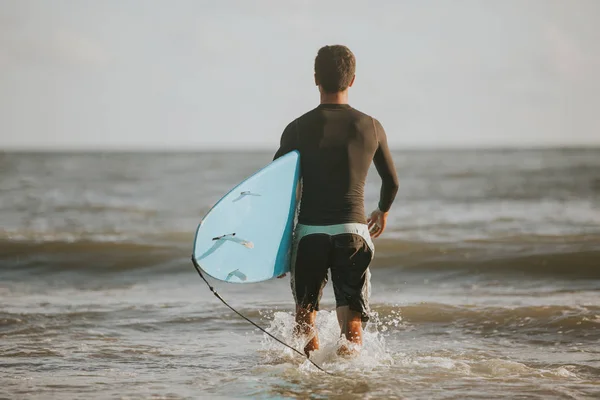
x: 486, y: 283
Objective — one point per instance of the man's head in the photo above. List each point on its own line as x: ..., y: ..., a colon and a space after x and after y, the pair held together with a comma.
x: 334, y: 68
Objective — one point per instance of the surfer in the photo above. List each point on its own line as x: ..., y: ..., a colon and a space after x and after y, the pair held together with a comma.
x: 337, y: 144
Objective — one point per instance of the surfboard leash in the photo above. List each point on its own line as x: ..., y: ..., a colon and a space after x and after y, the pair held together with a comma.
x: 218, y: 296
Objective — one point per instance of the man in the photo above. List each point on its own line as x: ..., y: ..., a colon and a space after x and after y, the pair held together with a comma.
x: 336, y: 144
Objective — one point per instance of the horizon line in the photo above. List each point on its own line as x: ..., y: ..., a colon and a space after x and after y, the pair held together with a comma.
x: 222, y: 149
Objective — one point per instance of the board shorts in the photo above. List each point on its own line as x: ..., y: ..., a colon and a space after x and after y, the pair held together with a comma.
x: 345, y: 249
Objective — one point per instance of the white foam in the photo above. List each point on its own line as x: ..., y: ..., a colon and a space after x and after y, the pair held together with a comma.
x: 373, y: 353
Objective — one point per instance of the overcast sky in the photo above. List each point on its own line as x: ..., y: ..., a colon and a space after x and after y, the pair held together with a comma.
x: 231, y: 74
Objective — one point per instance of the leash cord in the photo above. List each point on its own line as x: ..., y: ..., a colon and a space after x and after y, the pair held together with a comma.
x: 218, y: 296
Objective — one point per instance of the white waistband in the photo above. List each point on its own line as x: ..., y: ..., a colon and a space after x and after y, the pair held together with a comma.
x: 355, y: 228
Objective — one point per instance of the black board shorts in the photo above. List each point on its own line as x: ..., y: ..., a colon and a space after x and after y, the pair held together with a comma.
x: 347, y: 255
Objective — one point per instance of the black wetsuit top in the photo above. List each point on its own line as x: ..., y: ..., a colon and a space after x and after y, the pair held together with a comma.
x: 336, y: 145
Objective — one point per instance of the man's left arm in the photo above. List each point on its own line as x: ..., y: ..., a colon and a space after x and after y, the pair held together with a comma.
x: 288, y: 140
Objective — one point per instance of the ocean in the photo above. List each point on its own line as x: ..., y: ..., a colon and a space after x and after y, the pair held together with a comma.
x: 486, y: 283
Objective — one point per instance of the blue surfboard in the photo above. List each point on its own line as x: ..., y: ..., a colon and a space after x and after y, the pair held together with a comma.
x: 247, y: 235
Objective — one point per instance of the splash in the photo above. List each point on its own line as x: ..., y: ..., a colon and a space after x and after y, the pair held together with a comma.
x: 374, y: 353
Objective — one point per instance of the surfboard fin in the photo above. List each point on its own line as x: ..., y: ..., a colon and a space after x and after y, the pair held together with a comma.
x: 237, y: 273
x: 244, y: 194
x: 223, y: 236
x: 231, y: 236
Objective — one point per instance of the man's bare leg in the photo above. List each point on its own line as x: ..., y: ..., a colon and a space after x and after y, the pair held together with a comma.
x: 305, y: 325
x: 351, y: 327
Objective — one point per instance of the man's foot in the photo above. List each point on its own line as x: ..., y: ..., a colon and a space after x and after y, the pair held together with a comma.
x: 308, y: 349
x: 350, y: 324
x: 305, y: 326
x: 347, y: 351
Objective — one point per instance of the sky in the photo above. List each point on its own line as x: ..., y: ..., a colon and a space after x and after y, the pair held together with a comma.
x: 231, y: 74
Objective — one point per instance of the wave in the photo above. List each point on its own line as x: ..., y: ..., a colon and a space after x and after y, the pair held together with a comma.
x: 108, y: 237
x: 103, y: 208
x: 534, y: 321
x: 576, y: 256
x: 582, y: 265
x: 87, y: 256
x: 582, y: 320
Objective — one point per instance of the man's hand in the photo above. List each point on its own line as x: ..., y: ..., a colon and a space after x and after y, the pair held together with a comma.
x: 377, y: 222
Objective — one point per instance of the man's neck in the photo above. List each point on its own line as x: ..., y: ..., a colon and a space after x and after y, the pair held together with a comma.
x: 334, y: 98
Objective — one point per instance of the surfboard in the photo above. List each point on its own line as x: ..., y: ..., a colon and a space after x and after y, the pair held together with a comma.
x: 246, y: 236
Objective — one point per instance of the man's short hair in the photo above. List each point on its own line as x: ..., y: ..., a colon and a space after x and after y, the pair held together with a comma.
x: 334, y: 68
